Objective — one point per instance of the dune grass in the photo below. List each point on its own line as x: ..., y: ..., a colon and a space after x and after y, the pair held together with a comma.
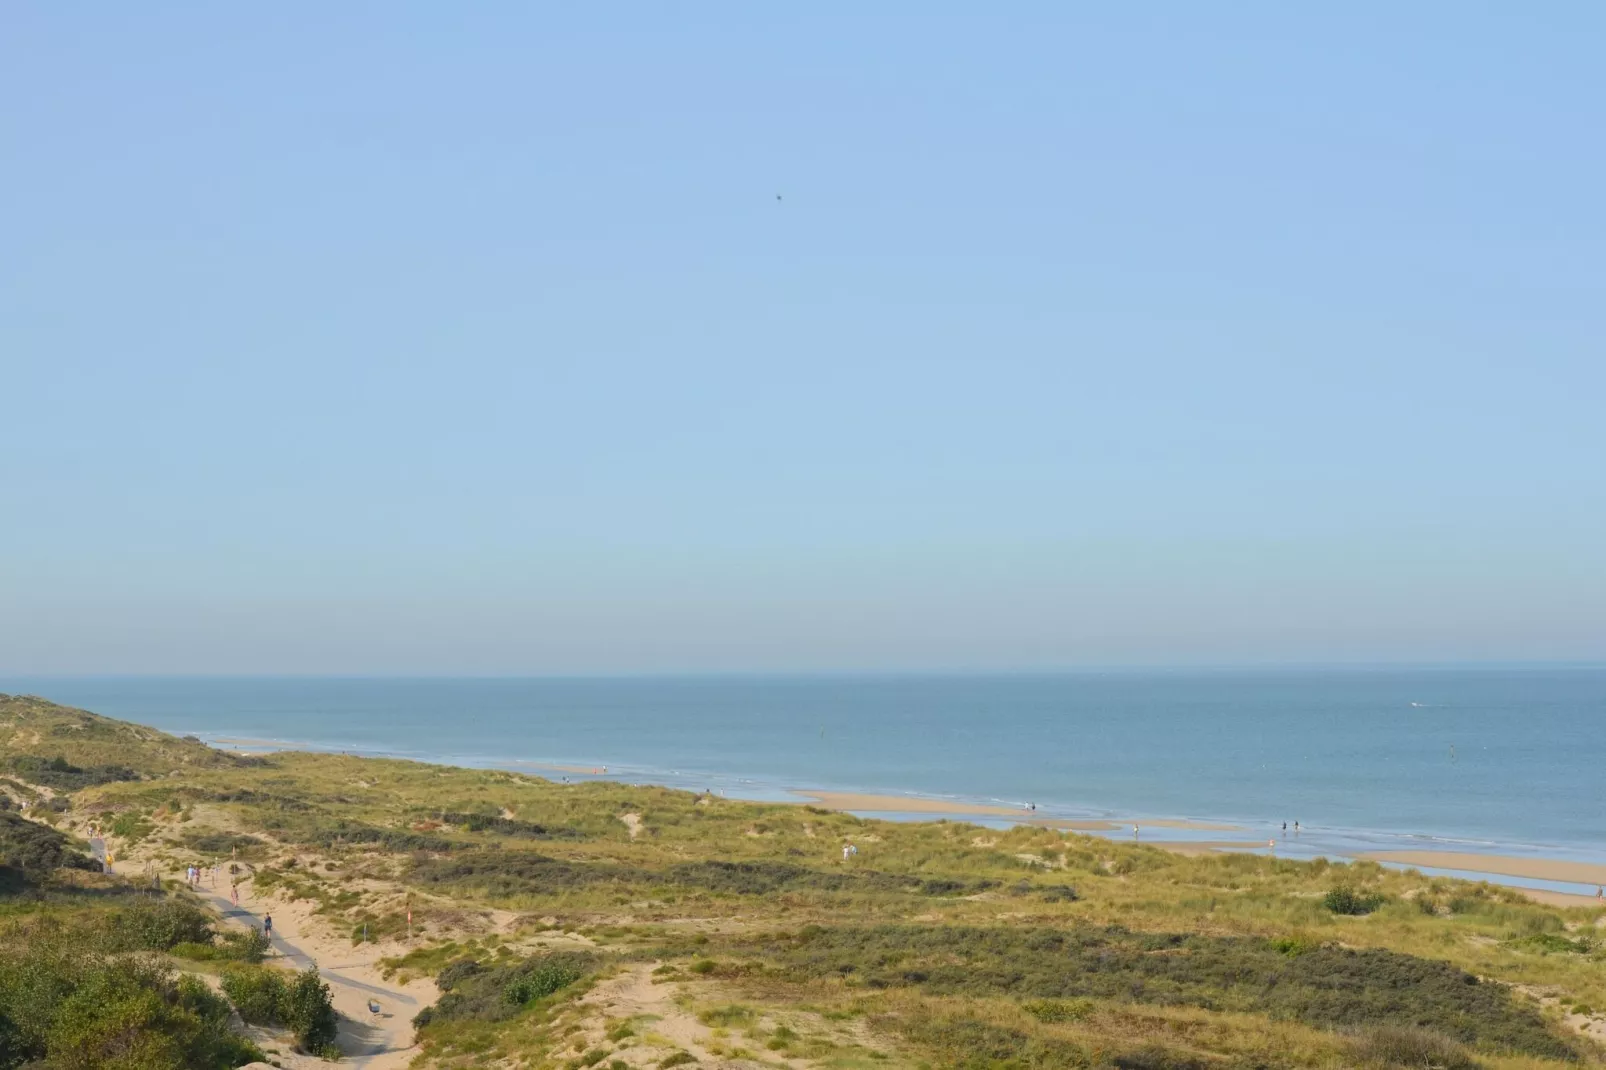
x: 944, y: 943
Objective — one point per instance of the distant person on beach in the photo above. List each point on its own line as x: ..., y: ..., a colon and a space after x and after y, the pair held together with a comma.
x: 1134, y: 832
x: 1296, y: 828
x: 267, y: 924
x: 1285, y: 826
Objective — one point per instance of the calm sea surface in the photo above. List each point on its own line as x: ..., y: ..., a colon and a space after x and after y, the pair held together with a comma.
x: 1491, y: 758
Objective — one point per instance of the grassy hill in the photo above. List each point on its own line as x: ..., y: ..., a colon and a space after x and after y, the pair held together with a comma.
x: 34, y: 728
x: 600, y: 924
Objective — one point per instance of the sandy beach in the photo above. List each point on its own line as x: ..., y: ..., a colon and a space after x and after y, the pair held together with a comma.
x: 908, y: 804
x: 1546, y: 869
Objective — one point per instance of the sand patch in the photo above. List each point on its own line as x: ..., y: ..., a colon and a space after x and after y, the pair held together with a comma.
x: 633, y: 823
x: 1546, y: 869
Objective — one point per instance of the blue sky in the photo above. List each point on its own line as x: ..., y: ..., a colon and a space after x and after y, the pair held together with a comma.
x: 422, y: 338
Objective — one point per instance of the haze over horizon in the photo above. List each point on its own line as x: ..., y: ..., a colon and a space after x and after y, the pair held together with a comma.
x: 513, y: 341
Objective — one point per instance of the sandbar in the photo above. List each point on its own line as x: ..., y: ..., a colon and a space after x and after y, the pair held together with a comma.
x: 1545, y: 869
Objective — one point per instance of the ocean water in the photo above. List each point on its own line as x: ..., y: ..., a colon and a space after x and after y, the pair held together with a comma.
x: 1508, y: 759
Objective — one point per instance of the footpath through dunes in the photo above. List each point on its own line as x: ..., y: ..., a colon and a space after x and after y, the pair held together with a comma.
x: 599, y: 923
x: 376, y: 1030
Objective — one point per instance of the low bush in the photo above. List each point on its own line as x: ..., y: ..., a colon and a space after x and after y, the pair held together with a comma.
x: 1410, y: 1049
x: 1346, y: 900
x: 34, y: 849
x: 297, y: 1002
x: 220, y: 843
x: 61, y: 775
x: 65, y: 1006
x: 256, y: 992
x: 158, y: 926
x: 1058, y: 1010
x: 1326, y: 987
x: 492, y: 993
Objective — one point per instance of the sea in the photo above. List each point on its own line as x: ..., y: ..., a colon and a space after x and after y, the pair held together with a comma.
x: 1506, y: 760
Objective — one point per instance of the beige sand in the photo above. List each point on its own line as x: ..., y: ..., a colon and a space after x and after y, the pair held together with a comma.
x: 1557, y: 899
x: 382, y: 1041
x: 1547, y: 869
x: 909, y: 804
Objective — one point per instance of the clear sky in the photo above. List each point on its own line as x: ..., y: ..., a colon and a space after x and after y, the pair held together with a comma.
x: 473, y: 338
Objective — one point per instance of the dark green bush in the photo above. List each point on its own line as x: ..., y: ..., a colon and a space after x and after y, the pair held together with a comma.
x: 64, y: 1006
x: 299, y: 1003
x: 507, y: 826
x: 307, y: 1012
x: 475, y: 992
x: 257, y: 993
x: 61, y: 775
x: 1346, y: 900
x: 220, y: 843
x: 35, y: 849
x: 158, y: 926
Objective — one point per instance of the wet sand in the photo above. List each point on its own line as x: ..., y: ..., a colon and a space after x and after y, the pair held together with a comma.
x: 909, y: 804
x: 1545, y: 869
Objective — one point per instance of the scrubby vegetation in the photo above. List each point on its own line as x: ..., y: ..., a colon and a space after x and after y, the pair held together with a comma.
x: 297, y: 1002
x: 475, y: 992
x: 77, y: 991
x: 940, y: 944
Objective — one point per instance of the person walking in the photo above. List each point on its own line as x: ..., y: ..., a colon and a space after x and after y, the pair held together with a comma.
x: 267, y: 925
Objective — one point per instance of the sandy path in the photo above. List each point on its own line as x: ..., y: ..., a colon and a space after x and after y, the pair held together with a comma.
x: 382, y: 1041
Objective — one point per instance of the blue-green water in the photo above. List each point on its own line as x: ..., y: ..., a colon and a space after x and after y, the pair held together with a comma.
x: 1507, y: 759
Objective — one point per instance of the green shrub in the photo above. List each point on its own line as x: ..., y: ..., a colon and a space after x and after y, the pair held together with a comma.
x: 35, y: 849
x: 158, y: 926
x: 679, y: 1058
x: 62, y: 775
x: 1411, y: 1049
x: 1293, y: 946
x: 306, y: 1010
x: 130, y: 826
x: 1058, y: 1010
x: 257, y: 993
x: 542, y: 980
x: 492, y: 993
x: 1346, y: 900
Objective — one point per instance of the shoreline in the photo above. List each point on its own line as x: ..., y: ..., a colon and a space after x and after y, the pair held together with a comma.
x: 1555, y: 881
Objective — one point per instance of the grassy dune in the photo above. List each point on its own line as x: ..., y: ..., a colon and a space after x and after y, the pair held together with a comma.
x: 601, y: 924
